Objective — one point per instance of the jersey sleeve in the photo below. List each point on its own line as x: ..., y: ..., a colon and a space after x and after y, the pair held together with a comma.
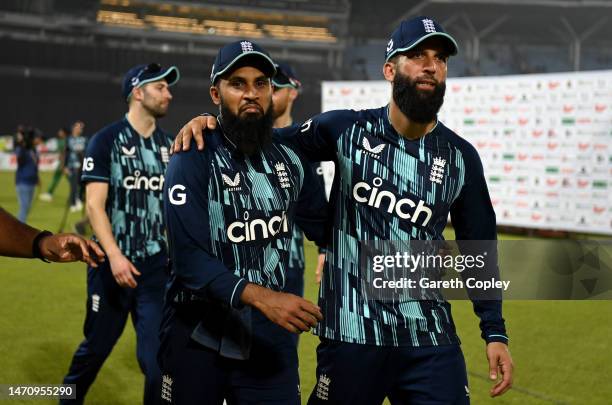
x: 97, y: 160
x: 473, y: 218
x: 312, y: 210
x: 317, y: 137
x: 188, y: 224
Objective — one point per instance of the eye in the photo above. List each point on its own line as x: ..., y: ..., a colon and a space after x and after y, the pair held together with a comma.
x: 237, y: 84
x: 260, y: 84
x: 415, y: 55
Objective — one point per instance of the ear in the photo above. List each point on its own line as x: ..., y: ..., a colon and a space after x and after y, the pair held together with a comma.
x: 388, y: 71
x: 293, y: 93
x: 214, y: 95
x: 137, y: 94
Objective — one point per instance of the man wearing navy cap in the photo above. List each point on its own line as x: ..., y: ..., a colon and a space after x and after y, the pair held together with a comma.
x: 400, y: 173
x: 123, y: 170
x: 227, y: 329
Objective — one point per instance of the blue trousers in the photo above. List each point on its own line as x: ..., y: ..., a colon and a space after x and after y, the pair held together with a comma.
x: 108, y: 306
x: 25, y: 194
x: 356, y: 374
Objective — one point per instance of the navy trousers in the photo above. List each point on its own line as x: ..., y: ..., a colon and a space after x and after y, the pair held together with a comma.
x: 196, y: 375
x: 108, y: 306
x: 356, y: 374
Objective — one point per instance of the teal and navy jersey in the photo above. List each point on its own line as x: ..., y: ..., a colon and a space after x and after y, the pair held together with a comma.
x: 230, y: 217
x: 75, y: 149
x: 134, y: 167
x: 389, y: 188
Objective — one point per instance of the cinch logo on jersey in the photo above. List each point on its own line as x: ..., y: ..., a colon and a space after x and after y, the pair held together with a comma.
x: 372, y: 151
x: 257, y: 229
x: 138, y: 182
x: 374, y: 197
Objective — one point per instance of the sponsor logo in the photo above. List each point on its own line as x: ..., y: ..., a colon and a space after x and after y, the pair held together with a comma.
x: 138, y: 182
x: 394, y: 205
x: 257, y: 229
x: 129, y: 152
x: 177, y: 198
x: 372, y: 151
x: 306, y: 125
x: 233, y: 184
x: 95, y: 303
x: 600, y: 108
x: 390, y: 45
x: 88, y: 164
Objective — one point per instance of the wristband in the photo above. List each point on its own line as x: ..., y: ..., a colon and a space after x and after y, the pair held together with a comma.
x: 36, y: 245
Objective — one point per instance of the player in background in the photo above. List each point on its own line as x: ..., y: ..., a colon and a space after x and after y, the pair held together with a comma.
x: 227, y: 330
x: 124, y: 170
x: 62, y: 134
x: 406, y: 350
x: 286, y: 90
x: 75, y: 151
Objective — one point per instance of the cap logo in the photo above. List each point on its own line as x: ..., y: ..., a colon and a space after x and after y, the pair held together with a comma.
x: 212, y: 71
x: 390, y: 45
x: 246, y: 46
x: 429, y: 25
x: 135, y: 81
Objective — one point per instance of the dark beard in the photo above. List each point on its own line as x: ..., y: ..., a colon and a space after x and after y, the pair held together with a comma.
x: 250, y: 134
x: 420, y: 107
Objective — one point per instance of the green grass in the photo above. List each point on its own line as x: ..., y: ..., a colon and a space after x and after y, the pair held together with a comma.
x: 561, y: 348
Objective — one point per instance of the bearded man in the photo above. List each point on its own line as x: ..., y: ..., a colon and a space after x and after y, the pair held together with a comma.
x: 400, y: 172
x: 227, y: 330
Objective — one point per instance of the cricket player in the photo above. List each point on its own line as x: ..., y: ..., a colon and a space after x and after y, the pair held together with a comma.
x: 227, y: 329
x: 401, y: 172
x: 286, y: 90
x: 124, y: 170
x: 75, y: 150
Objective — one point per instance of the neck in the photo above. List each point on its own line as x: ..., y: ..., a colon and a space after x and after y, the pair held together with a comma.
x: 284, y: 120
x: 141, y: 121
x: 404, y: 126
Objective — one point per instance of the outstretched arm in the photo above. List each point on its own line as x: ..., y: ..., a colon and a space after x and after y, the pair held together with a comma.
x: 18, y: 240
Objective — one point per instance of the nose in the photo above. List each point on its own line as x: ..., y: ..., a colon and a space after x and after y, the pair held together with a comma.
x: 429, y: 65
x: 251, y: 92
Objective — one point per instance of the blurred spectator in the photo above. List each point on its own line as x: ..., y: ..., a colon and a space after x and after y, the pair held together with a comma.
x: 62, y: 134
x: 26, y: 177
x: 75, y: 151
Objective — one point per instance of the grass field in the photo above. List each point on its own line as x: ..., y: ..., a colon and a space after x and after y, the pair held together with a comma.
x: 561, y: 349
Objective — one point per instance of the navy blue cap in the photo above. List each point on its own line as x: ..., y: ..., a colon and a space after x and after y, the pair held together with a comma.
x: 143, y: 74
x: 414, y: 31
x: 242, y: 53
x: 285, y: 77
